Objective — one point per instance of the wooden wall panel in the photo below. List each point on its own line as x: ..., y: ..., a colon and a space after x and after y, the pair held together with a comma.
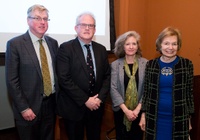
x: 150, y: 17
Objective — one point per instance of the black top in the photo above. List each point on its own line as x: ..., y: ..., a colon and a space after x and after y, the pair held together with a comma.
x: 126, y: 78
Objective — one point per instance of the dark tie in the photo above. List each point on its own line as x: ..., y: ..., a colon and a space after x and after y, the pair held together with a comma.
x: 90, y: 70
x: 45, y: 70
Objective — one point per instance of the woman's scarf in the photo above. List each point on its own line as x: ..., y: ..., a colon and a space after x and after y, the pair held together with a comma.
x: 131, y: 91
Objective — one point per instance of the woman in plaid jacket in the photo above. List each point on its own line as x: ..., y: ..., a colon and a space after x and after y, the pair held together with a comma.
x: 168, y: 99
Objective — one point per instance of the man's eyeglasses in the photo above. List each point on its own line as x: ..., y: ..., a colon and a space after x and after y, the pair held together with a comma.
x: 39, y: 19
x: 83, y: 25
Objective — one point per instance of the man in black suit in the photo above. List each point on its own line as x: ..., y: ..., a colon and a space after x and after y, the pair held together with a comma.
x: 34, y: 110
x: 80, y: 105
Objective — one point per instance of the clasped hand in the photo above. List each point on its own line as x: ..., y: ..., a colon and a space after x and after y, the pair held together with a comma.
x: 131, y: 114
x: 93, y: 103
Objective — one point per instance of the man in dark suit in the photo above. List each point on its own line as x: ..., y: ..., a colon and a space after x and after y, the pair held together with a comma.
x: 34, y: 110
x: 79, y: 103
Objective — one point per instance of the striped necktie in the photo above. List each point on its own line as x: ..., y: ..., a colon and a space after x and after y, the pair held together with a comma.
x: 90, y: 68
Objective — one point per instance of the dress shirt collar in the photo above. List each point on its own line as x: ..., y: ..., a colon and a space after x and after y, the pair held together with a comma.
x: 34, y: 38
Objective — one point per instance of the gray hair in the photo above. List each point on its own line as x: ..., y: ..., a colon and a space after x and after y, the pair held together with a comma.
x: 119, y: 44
x: 36, y: 7
x: 83, y: 14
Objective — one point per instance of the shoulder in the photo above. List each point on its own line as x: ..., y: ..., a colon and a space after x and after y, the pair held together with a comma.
x: 98, y: 45
x: 20, y: 38
x: 50, y: 38
x: 152, y: 62
x: 118, y: 62
x: 142, y: 59
x: 69, y: 43
x: 185, y: 59
x: 184, y: 62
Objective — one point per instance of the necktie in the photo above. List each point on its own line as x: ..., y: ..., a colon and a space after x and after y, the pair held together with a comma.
x: 90, y: 70
x: 45, y: 70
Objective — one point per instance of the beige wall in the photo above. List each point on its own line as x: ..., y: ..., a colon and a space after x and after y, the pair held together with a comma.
x: 150, y: 17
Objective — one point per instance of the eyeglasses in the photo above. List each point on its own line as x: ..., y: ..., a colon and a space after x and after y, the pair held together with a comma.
x: 39, y: 19
x: 83, y: 25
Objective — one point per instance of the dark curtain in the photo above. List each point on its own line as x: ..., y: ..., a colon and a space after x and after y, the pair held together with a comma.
x: 112, y: 25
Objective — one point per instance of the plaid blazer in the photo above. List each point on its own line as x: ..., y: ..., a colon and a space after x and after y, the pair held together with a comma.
x: 183, y: 104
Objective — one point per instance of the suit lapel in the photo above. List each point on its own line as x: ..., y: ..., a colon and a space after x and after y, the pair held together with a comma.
x: 96, y: 57
x: 79, y: 53
x: 31, y: 51
x: 52, y: 53
x: 49, y: 44
x: 121, y: 70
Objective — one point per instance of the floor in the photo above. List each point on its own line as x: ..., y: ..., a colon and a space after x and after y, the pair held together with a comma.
x: 107, y: 131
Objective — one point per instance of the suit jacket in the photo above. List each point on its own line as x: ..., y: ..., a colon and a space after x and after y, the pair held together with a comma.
x: 73, y: 78
x: 117, y: 90
x: 23, y: 74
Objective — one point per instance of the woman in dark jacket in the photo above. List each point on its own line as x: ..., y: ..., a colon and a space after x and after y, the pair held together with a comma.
x: 168, y: 98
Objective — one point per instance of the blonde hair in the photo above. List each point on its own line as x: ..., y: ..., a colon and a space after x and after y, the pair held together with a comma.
x: 36, y: 7
x: 169, y: 31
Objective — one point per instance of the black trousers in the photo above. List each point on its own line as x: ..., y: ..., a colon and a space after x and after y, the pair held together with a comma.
x: 121, y: 134
x: 90, y: 125
x: 43, y: 126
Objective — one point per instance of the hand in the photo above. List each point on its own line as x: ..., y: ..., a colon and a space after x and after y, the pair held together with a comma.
x: 135, y: 113
x: 28, y: 115
x: 98, y: 101
x: 93, y: 103
x: 129, y: 115
x: 142, y: 123
x: 190, y: 125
